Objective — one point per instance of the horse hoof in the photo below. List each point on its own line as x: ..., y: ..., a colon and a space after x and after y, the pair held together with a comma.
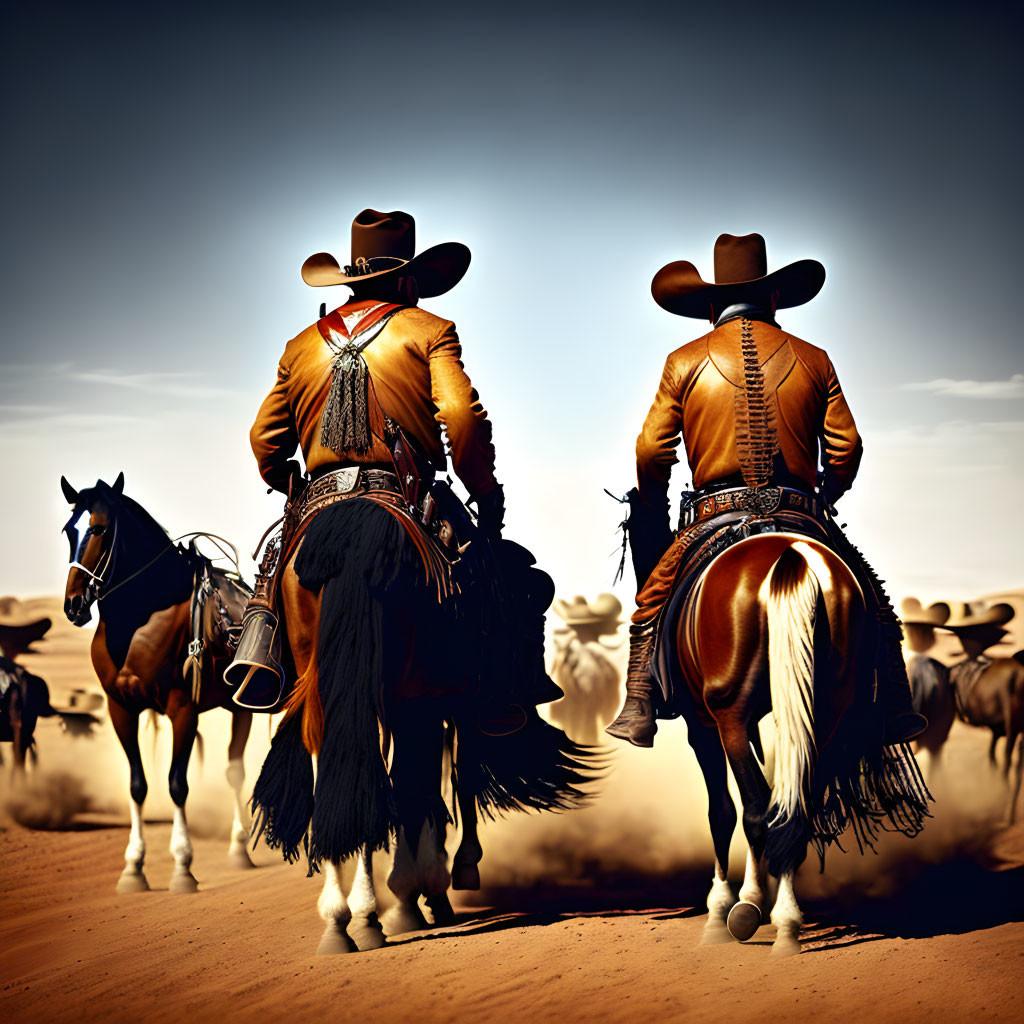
x: 714, y: 934
x: 183, y: 881
x: 335, y: 940
x: 441, y: 910
x: 465, y: 876
x: 132, y: 881
x: 744, y: 920
x: 240, y: 859
x: 402, y: 918
x: 366, y: 933
x: 785, y: 945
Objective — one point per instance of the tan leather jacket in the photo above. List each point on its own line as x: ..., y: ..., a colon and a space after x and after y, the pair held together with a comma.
x: 415, y: 365
x: 699, y: 395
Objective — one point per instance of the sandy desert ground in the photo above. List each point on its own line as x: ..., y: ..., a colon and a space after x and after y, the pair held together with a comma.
x: 593, y: 915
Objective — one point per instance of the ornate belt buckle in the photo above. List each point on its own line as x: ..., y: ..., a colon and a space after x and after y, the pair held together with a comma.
x: 763, y: 500
x: 345, y: 479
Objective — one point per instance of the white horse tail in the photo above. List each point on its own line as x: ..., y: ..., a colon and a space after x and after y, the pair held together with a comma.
x: 790, y: 595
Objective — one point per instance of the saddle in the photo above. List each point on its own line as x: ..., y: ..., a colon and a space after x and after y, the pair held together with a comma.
x: 216, y: 608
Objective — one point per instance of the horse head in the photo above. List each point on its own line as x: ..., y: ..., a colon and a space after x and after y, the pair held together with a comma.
x: 91, y: 557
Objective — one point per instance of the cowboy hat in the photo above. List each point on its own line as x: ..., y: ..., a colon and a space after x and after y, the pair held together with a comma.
x: 579, y: 611
x: 741, y: 275
x: 385, y: 244
x: 19, y: 629
x: 913, y: 613
x: 966, y: 616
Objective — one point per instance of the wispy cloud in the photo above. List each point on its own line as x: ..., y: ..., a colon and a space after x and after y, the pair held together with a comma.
x: 1012, y: 388
x: 174, y: 384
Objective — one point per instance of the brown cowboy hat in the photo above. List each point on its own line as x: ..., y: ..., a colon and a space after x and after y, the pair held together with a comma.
x: 741, y: 275
x: 383, y: 244
x: 967, y: 616
x: 913, y: 613
x: 579, y: 611
x: 18, y: 628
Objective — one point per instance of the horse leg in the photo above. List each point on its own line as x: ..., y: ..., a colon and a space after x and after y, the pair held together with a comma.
x: 184, y: 721
x: 787, y: 918
x: 747, y: 915
x: 126, y: 725
x: 364, y: 928
x: 334, y: 909
x: 465, y: 870
x: 992, y: 748
x: 1015, y: 794
x: 405, y: 915
x: 420, y: 863
x: 722, y: 819
x: 241, y: 723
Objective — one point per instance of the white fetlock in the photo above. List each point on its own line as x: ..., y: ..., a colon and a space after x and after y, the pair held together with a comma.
x: 132, y: 878
x: 238, y: 848
x: 181, y: 850
x: 720, y: 902
x: 787, y: 918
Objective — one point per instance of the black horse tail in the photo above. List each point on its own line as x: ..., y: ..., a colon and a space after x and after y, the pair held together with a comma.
x: 282, y: 799
x: 537, y: 768
x: 358, y: 557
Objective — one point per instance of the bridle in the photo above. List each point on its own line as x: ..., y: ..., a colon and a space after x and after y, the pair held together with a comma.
x: 97, y: 586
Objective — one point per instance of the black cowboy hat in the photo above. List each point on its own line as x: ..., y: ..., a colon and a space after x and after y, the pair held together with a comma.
x: 741, y: 275
x: 383, y: 244
x: 19, y: 628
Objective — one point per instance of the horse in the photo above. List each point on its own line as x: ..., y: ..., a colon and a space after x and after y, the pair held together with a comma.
x: 990, y: 695
x: 24, y: 699
x: 383, y: 697
x: 932, y: 696
x: 775, y: 624
x: 144, y: 586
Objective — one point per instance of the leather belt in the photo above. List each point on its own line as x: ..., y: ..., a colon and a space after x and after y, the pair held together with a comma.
x: 347, y: 479
x: 762, y: 501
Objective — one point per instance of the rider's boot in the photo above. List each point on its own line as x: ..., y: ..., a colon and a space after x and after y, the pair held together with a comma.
x: 636, y: 719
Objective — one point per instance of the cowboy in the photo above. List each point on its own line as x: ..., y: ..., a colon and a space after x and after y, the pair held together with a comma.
x: 365, y: 393
x: 23, y: 696
x: 414, y: 363
x: 756, y: 408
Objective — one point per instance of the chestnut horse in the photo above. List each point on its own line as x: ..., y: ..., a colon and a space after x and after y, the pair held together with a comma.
x: 142, y: 584
x: 381, y: 698
x: 775, y: 624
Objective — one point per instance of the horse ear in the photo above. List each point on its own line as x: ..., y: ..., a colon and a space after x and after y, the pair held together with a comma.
x: 118, y: 487
x: 69, y: 492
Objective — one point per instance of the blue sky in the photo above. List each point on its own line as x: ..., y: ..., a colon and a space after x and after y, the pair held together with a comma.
x: 172, y: 170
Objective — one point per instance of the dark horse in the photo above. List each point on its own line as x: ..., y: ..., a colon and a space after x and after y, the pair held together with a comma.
x: 24, y: 699
x: 143, y: 585
x: 384, y: 699
x: 776, y: 623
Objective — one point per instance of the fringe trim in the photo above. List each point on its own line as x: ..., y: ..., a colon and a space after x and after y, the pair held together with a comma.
x: 756, y: 435
x: 345, y: 425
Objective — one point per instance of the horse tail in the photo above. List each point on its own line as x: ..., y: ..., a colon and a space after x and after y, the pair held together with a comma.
x: 790, y: 595
x: 354, y: 554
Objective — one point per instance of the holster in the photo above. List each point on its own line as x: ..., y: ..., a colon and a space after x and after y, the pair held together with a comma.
x: 256, y: 670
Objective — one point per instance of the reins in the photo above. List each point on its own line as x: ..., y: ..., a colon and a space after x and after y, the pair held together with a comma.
x: 97, y: 578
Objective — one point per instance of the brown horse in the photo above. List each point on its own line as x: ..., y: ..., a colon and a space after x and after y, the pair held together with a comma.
x: 382, y: 698
x: 775, y: 624
x: 143, y: 584
x: 990, y: 695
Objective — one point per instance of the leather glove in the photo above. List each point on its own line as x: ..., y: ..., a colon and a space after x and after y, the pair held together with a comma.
x: 491, y: 510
